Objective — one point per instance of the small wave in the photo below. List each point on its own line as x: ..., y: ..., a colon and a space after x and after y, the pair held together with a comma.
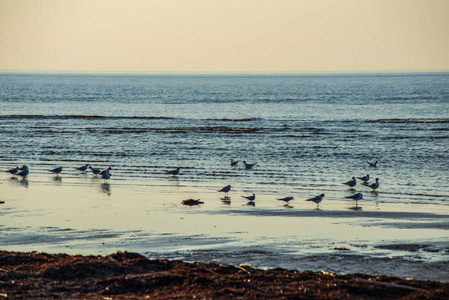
x: 406, y: 121
x: 85, y: 117
x: 238, y: 120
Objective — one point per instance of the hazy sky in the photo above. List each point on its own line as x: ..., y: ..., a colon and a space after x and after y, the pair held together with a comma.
x: 224, y: 35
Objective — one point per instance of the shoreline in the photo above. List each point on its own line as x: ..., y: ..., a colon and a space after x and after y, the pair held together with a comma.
x: 130, y: 275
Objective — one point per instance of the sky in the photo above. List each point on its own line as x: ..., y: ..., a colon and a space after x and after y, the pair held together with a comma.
x: 224, y: 35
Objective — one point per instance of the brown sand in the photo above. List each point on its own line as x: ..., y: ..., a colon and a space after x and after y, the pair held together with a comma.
x: 131, y: 275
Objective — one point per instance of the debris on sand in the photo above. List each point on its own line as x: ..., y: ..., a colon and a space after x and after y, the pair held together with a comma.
x: 191, y: 202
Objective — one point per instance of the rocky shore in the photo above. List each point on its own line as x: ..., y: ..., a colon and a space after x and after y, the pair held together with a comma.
x: 126, y: 275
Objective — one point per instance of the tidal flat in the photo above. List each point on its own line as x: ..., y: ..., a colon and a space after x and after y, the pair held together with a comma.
x: 82, y: 214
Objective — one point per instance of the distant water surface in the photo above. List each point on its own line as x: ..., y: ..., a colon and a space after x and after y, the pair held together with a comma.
x: 301, y: 130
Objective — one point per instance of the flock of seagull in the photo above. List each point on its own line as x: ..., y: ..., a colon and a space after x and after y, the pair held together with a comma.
x: 317, y: 199
x: 24, y: 171
x: 105, y: 174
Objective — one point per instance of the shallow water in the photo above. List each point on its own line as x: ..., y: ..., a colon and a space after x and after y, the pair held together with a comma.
x: 308, y: 134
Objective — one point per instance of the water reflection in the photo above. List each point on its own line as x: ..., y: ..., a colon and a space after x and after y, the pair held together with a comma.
x: 251, y: 203
x: 57, y: 179
x: 20, y: 182
x: 226, y: 200
x: 105, y: 188
x: 355, y: 208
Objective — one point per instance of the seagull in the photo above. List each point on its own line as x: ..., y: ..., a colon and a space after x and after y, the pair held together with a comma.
x: 233, y: 162
x: 373, y: 164
x: 286, y: 199
x: 82, y: 168
x: 375, y: 185
x: 24, y: 171
x: 356, y: 198
x: 13, y: 170
x: 104, y: 172
x: 250, y: 198
x: 173, y: 172
x: 364, y: 178
x: 248, y: 166
x: 226, y: 190
x: 56, y: 170
x: 317, y: 200
x: 352, y: 183
x: 106, y: 175
x: 95, y: 171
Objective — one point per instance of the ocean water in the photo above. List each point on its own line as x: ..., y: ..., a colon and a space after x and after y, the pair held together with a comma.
x: 307, y: 133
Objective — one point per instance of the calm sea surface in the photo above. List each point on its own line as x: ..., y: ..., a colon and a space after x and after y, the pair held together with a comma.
x: 307, y: 134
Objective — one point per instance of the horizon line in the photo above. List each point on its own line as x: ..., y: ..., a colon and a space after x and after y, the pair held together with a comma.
x: 223, y: 72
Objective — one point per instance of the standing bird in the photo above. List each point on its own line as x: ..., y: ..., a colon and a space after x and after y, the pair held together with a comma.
x: 104, y: 172
x: 82, y: 168
x: 13, y: 171
x: 375, y: 185
x: 351, y: 183
x: 56, y: 170
x: 24, y: 171
x: 225, y: 190
x: 317, y: 200
x: 286, y: 199
x: 250, y: 198
x: 364, y: 178
x: 173, y: 172
x: 373, y: 164
x: 248, y: 166
x: 356, y: 198
x: 95, y: 171
x: 105, y: 176
x: 233, y: 162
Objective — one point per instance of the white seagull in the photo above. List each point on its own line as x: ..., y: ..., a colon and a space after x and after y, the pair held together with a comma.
x: 24, y: 171
x: 105, y: 176
x: 356, y: 198
x: 13, y: 171
x: 173, y: 172
x: 373, y: 164
x: 286, y: 199
x: 56, y: 170
x: 375, y: 185
x: 317, y: 200
x: 364, y: 178
x: 95, y: 170
x: 225, y: 190
x: 351, y: 183
x: 82, y: 168
x: 104, y: 172
x: 248, y: 166
x: 250, y: 198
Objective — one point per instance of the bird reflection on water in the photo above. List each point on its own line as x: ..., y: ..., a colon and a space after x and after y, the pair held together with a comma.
x: 105, y: 188
x: 22, y: 182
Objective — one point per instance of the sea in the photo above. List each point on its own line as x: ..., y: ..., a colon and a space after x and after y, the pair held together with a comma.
x: 307, y: 134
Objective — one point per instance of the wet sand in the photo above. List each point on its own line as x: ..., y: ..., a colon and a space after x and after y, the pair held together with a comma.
x: 127, y: 275
x: 79, y: 214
